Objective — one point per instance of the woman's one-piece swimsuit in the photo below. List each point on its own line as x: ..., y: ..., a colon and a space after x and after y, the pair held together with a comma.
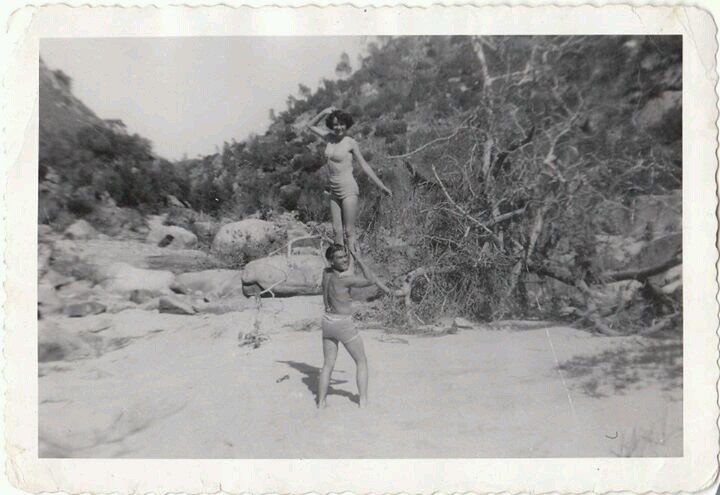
x: 341, y: 180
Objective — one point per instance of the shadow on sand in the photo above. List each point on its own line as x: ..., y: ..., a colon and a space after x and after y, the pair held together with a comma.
x: 310, y: 379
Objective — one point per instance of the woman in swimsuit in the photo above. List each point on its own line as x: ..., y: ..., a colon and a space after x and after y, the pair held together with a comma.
x: 340, y: 151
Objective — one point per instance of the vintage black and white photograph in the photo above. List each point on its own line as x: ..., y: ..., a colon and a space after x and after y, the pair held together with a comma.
x: 337, y: 247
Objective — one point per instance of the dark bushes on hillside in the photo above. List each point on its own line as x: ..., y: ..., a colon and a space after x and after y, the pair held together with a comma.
x: 390, y: 127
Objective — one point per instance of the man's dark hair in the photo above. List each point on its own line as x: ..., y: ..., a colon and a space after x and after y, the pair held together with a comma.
x: 334, y: 248
x: 344, y: 118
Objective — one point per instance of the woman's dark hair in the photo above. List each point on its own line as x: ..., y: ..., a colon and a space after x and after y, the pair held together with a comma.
x: 334, y: 248
x: 343, y: 118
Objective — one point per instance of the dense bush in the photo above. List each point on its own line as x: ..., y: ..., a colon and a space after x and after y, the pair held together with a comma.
x: 390, y: 127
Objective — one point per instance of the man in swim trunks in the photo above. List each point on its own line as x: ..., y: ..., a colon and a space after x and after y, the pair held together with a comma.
x: 337, y: 322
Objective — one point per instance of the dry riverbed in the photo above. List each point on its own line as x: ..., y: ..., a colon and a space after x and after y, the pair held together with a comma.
x: 154, y: 385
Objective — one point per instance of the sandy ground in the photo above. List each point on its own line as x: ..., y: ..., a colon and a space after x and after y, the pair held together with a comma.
x: 170, y: 386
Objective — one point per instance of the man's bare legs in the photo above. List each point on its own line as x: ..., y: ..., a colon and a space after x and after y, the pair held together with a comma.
x: 330, y: 350
x: 356, y: 348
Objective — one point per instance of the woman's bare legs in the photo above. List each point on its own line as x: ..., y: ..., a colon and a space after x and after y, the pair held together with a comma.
x: 349, y: 213
x: 337, y: 221
x: 356, y: 348
x: 330, y: 349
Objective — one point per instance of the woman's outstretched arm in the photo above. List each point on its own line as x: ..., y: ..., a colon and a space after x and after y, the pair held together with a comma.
x: 367, y: 169
x: 313, y: 124
x: 369, y: 275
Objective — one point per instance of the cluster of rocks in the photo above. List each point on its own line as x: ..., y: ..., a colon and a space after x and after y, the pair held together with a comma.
x: 76, y: 282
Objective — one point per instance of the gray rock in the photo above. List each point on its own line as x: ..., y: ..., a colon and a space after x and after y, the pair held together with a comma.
x: 78, y: 310
x: 227, y: 305
x: 171, y: 236
x: 124, y: 278
x: 80, y: 230
x: 48, y: 300
x: 286, y: 276
x: 214, y: 284
x: 459, y: 322
x: 173, y: 305
x: 141, y: 296
x: 235, y: 236
x: 206, y: 230
x: 56, y: 280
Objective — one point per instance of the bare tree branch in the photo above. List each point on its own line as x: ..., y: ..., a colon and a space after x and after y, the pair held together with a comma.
x: 642, y: 273
x: 435, y: 141
x: 462, y: 211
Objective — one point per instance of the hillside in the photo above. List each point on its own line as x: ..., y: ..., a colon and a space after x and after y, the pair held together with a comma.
x: 532, y: 176
x: 60, y: 110
x: 87, y: 163
x: 519, y: 165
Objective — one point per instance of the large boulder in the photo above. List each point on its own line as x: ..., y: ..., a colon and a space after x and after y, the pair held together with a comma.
x: 171, y: 236
x: 235, y: 236
x: 81, y: 230
x: 285, y: 276
x: 124, y: 278
x: 210, y: 283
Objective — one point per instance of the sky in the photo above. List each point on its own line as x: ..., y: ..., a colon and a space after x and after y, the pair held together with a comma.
x: 189, y: 95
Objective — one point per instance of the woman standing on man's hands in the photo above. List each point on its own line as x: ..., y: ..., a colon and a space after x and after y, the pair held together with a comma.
x: 343, y: 189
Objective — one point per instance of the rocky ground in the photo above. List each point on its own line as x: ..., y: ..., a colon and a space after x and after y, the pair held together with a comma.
x: 149, y: 351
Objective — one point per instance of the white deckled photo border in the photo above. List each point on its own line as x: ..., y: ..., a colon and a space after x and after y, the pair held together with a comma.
x: 693, y: 471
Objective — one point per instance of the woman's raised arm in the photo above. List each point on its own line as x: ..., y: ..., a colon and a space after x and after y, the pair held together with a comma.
x: 313, y: 124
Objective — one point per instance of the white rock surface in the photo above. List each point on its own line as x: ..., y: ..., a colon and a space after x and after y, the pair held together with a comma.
x: 80, y: 229
x: 214, y: 284
x: 121, y: 277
